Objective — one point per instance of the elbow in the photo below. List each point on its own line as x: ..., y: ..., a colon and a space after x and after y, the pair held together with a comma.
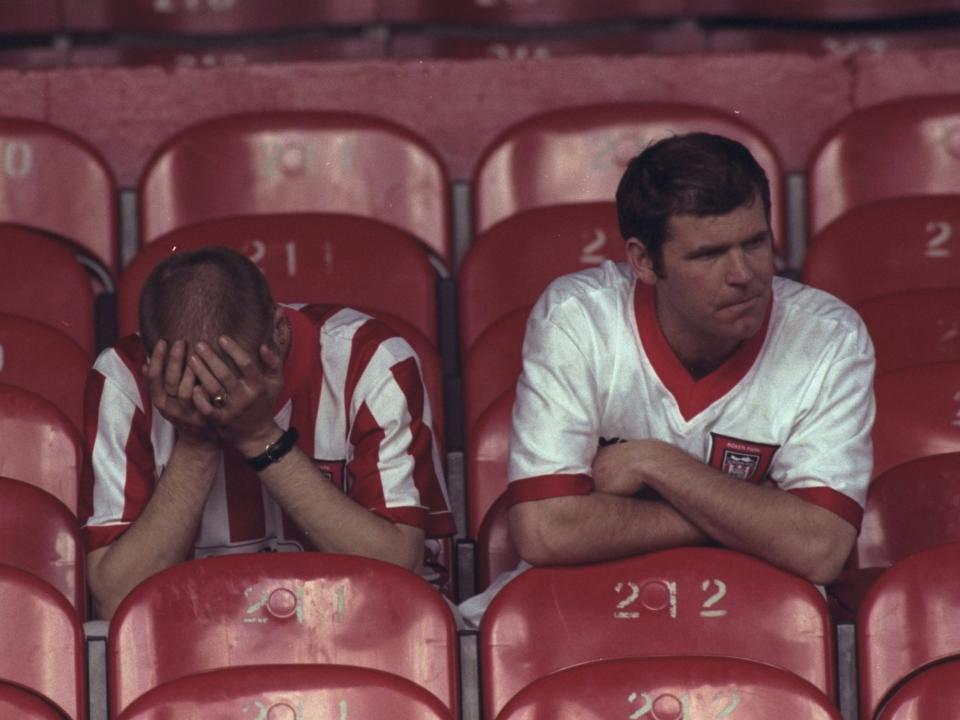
x: 537, y: 529
x: 825, y: 559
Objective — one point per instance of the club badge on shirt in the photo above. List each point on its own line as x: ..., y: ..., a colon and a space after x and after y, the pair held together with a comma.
x: 742, y: 459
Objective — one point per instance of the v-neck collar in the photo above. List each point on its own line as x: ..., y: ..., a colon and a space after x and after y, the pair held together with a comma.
x: 692, y: 396
x: 301, y: 358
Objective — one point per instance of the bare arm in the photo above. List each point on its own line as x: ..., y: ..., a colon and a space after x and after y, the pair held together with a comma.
x: 765, y: 521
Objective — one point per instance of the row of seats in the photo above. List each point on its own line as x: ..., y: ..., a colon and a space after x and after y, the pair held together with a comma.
x: 237, y: 16
x: 320, y: 612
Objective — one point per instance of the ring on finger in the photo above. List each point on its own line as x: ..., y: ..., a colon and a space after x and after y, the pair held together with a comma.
x: 219, y: 400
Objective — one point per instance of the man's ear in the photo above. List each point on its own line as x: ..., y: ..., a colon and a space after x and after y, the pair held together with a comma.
x: 280, y: 330
x: 640, y: 261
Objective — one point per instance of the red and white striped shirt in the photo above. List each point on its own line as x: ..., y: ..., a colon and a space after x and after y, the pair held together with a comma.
x: 353, y: 389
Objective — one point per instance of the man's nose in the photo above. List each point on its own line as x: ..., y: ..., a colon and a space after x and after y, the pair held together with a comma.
x: 739, y: 271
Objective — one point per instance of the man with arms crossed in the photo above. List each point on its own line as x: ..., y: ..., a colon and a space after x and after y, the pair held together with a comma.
x: 689, y: 396
x: 231, y: 424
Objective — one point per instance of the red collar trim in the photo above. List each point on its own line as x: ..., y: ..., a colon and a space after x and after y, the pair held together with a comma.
x: 302, y: 357
x: 692, y: 396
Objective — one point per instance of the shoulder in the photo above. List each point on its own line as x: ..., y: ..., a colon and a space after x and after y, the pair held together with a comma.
x: 348, y: 332
x: 599, y: 288
x: 809, y: 313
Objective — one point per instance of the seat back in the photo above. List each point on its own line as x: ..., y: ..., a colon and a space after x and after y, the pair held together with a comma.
x: 284, y: 608
x: 851, y: 164
x: 39, y: 534
x: 41, y: 279
x: 910, y: 507
x: 918, y: 414
x: 578, y: 154
x: 670, y: 687
x: 42, y: 641
x: 906, y: 243
x: 274, y: 162
x: 542, y: 12
x: 56, y: 182
x: 487, y: 456
x: 23, y: 704
x: 931, y: 694
x: 688, y: 601
x: 510, y: 264
x: 43, y: 360
x: 493, y: 364
x: 281, y: 691
x: 39, y: 445
x: 905, y: 622
x: 914, y: 327
x: 308, y: 258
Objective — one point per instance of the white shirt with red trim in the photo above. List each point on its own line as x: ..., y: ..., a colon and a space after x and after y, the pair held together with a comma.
x: 794, y: 403
x: 352, y: 388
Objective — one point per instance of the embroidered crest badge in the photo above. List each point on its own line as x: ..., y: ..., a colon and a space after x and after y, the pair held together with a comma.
x: 742, y: 459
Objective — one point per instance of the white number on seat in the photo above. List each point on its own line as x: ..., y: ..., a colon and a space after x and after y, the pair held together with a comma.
x: 590, y: 255
x: 936, y: 245
x: 708, y: 604
x: 17, y: 159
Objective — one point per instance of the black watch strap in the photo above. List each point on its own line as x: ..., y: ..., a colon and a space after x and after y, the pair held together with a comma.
x: 275, y: 450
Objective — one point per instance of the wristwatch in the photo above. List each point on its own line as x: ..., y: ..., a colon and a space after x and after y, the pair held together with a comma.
x: 275, y: 450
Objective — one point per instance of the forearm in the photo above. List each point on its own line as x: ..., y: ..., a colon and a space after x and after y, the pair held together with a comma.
x: 765, y: 521
x: 596, y: 527
x: 332, y: 521
x: 164, y: 533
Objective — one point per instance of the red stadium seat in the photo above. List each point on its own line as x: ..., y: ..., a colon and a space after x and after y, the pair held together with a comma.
x: 39, y: 445
x: 54, y: 181
x: 283, y: 608
x: 820, y: 10
x: 42, y: 642
x: 487, y: 446
x: 493, y: 363
x: 931, y: 694
x: 41, y: 279
x: 279, y: 691
x: 41, y: 535
x: 496, y: 552
x: 906, y: 243
x: 851, y: 165
x: 512, y: 12
x: 907, y: 621
x: 275, y: 162
x: 29, y: 16
x: 45, y: 361
x: 688, y: 601
x: 918, y: 414
x: 309, y: 258
x: 670, y: 687
x: 910, y: 507
x: 913, y: 327
x: 510, y: 264
x: 212, y: 16
x: 834, y: 39
x: 578, y: 154
x: 23, y: 704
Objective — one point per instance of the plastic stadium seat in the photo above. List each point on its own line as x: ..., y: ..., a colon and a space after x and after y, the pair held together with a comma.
x: 54, y: 181
x: 851, y: 165
x: 578, y: 154
x: 918, y: 414
x: 23, y: 704
x: 910, y: 507
x: 41, y: 279
x: 29, y: 16
x: 39, y: 445
x: 906, y: 622
x: 42, y: 642
x: 212, y: 16
x: 496, y: 552
x: 493, y: 363
x: 837, y: 40
x: 906, y: 243
x: 41, y: 535
x: 309, y: 258
x: 487, y: 447
x: 510, y: 264
x: 520, y: 12
x: 45, y: 361
x: 820, y: 10
x: 275, y: 162
x: 285, y: 691
x: 670, y: 687
x: 688, y: 601
x: 913, y: 327
x: 282, y: 608
x: 931, y: 694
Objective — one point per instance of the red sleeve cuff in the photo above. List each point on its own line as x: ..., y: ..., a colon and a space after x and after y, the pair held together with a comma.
x: 835, y: 502
x: 98, y: 536
x: 547, y: 486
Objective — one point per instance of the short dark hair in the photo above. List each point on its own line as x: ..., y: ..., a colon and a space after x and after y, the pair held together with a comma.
x: 697, y: 174
x: 204, y: 293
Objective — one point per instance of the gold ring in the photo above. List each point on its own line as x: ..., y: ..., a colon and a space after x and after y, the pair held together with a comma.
x: 220, y: 400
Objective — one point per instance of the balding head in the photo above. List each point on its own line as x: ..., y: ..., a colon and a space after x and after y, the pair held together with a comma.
x: 203, y: 294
